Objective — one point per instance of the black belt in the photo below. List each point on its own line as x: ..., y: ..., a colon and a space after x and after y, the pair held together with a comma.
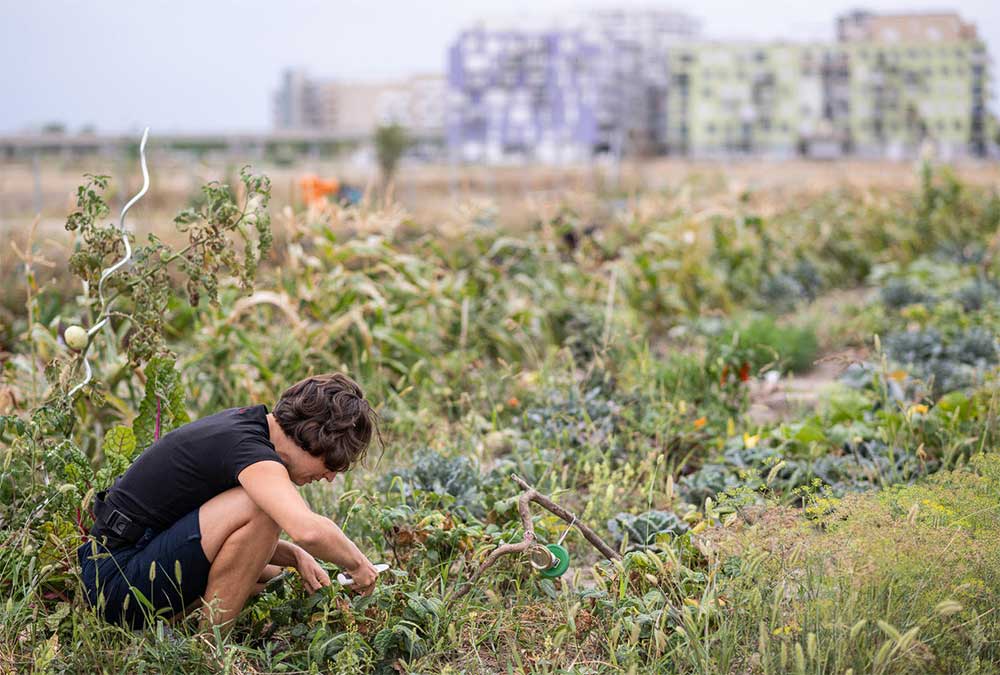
x: 114, y: 525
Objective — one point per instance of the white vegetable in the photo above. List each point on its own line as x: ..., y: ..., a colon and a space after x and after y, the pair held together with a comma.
x: 76, y: 338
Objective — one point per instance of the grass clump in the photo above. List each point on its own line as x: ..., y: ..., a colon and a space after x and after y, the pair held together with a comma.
x: 762, y: 343
x: 902, y: 581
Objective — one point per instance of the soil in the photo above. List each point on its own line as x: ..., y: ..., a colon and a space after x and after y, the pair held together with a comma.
x: 787, y: 398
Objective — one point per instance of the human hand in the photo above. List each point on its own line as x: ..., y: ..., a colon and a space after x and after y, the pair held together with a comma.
x: 314, y: 577
x: 363, y: 577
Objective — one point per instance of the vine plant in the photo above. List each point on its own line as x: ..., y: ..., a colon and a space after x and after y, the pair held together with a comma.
x: 209, y: 253
x: 45, y: 475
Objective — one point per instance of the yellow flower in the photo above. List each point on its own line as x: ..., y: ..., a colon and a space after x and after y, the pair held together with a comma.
x: 750, y: 441
x: 916, y: 409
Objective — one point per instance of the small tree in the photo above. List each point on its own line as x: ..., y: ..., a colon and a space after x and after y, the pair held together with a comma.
x: 391, y: 141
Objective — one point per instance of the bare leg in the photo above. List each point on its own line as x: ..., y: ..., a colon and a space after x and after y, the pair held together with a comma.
x: 239, y: 540
x: 270, y: 571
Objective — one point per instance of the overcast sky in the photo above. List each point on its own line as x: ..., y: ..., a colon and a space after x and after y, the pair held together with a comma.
x: 209, y: 65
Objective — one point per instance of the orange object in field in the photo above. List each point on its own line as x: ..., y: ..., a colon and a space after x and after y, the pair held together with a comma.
x: 315, y: 190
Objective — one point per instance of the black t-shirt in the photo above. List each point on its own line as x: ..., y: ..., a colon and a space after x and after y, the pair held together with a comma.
x: 192, y: 464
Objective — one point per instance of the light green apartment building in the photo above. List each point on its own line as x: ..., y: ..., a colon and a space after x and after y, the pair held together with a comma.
x: 891, y: 85
x: 904, y: 93
x: 741, y: 98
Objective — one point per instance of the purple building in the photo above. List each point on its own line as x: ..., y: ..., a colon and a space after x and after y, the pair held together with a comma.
x: 521, y: 95
x: 565, y: 93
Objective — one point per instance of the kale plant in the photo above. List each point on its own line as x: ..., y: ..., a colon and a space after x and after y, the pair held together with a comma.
x: 950, y: 363
x: 643, y: 531
x: 899, y: 293
x: 977, y: 295
x: 593, y: 419
x: 433, y: 475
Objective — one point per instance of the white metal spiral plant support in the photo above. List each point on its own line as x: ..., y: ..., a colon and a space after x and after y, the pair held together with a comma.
x: 102, y: 317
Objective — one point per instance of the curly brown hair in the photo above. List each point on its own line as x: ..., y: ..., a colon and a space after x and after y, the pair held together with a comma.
x: 328, y: 416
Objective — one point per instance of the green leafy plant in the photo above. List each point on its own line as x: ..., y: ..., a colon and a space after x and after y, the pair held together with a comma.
x: 645, y: 530
x: 434, y: 477
x: 763, y: 343
x: 391, y: 141
x: 144, y: 285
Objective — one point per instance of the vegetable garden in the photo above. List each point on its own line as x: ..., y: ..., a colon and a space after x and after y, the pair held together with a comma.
x: 614, y: 364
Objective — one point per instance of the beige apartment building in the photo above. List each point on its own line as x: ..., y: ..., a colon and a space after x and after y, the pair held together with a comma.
x: 355, y: 109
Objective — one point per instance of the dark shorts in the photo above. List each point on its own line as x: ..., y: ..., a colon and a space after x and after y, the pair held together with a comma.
x: 160, y: 575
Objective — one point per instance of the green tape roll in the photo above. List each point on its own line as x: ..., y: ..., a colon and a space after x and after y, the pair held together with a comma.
x: 562, y: 564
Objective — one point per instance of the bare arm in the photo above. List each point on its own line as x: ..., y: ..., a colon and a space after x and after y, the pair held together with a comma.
x: 272, y: 490
x: 286, y: 554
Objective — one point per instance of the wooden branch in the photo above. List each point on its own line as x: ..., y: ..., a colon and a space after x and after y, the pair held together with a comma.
x: 551, y: 506
x: 529, y: 495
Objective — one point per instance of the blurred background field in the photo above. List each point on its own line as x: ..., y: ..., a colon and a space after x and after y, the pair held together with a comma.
x: 436, y: 195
